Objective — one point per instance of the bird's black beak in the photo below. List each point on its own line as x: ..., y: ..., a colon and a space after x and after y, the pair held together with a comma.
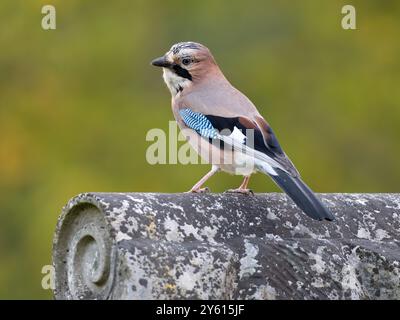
x: 161, y: 62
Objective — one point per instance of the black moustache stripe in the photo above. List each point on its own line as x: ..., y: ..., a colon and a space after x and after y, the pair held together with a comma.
x: 182, y: 72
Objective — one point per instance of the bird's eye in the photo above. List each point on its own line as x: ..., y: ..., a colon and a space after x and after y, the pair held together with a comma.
x: 186, y: 61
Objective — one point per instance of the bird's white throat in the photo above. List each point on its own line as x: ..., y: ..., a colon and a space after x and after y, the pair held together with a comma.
x: 174, y: 82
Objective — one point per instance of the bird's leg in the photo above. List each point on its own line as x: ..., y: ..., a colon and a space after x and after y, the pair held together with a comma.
x: 197, y: 187
x: 243, y: 187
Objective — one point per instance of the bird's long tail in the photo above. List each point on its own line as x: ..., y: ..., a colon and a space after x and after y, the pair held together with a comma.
x: 301, y: 194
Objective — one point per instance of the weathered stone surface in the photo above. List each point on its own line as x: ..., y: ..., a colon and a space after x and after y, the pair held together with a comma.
x: 226, y: 246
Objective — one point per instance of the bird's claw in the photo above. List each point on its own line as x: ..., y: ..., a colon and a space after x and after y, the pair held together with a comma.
x: 246, y: 192
x: 201, y: 190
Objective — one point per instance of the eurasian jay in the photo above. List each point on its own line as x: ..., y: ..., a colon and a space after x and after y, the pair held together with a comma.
x: 225, y: 127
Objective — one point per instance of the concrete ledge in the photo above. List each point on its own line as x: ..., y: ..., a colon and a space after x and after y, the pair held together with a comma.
x: 223, y: 246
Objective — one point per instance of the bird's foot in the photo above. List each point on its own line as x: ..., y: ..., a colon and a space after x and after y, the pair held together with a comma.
x: 200, y: 190
x: 247, y: 192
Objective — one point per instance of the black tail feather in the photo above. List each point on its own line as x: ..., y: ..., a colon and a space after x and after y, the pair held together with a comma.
x: 302, y: 195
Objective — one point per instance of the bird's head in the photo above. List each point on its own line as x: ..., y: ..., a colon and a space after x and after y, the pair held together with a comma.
x: 185, y: 64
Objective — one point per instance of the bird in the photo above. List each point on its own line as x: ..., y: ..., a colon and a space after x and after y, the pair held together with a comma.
x: 225, y: 128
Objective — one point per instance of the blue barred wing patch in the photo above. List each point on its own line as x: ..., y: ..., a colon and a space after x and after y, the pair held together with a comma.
x: 199, y: 123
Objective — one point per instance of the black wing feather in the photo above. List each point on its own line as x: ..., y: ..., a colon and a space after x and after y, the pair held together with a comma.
x: 269, y: 146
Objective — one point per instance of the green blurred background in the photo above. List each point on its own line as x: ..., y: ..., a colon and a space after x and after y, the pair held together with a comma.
x: 76, y: 103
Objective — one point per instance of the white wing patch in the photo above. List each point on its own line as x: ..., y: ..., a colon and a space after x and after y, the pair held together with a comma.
x: 238, y: 136
x: 237, y: 139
